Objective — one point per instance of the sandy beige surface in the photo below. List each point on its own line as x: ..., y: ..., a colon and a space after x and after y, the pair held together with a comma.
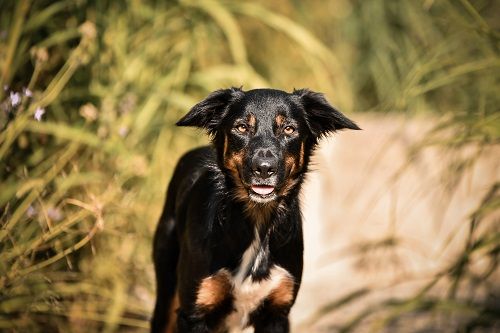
x: 353, y: 200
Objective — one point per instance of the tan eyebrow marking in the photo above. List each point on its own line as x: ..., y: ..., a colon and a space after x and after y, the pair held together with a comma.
x: 251, y: 120
x: 280, y: 120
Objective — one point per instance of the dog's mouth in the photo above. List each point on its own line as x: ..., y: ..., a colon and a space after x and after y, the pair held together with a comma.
x: 262, y: 193
x: 263, y: 190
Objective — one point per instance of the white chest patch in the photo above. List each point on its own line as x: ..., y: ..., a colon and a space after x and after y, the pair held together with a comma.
x: 248, y: 294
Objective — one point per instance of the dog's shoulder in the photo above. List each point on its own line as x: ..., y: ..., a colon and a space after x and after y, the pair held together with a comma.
x: 197, y: 158
x: 195, y: 179
x: 193, y: 165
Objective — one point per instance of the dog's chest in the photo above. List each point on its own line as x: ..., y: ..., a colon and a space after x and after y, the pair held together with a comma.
x: 248, y: 293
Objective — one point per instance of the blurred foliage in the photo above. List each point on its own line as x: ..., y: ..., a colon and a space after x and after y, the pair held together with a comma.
x: 90, y: 91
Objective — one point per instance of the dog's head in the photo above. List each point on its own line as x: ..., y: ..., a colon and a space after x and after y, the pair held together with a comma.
x: 264, y: 137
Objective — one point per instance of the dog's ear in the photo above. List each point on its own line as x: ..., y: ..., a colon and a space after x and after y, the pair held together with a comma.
x: 208, y: 113
x: 321, y: 117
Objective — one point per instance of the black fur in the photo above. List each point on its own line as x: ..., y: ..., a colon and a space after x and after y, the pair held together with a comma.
x: 219, y: 198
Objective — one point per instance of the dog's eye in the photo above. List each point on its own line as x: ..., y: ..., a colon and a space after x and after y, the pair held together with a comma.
x: 289, y: 130
x: 242, y: 128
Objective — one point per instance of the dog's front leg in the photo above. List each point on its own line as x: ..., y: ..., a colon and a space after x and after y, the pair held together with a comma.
x: 271, y: 319
x: 272, y: 324
x: 191, y: 323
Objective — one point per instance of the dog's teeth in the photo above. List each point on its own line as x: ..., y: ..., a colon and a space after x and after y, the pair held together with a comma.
x: 262, y: 189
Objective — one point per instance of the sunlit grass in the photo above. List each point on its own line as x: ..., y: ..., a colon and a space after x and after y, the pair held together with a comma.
x: 81, y: 189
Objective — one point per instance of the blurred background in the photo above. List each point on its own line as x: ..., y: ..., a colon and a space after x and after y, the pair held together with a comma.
x: 401, y: 219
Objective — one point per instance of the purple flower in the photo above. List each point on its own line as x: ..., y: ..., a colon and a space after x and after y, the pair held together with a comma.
x: 123, y: 131
x: 15, y: 98
x: 39, y: 113
x: 31, y: 211
x: 55, y: 214
x: 27, y: 92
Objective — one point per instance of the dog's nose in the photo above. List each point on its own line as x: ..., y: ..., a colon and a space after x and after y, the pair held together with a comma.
x: 264, y: 163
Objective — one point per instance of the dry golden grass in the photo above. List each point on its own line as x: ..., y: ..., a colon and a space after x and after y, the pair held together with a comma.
x: 90, y: 91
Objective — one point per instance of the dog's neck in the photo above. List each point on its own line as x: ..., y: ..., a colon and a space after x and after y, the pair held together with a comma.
x: 261, y: 214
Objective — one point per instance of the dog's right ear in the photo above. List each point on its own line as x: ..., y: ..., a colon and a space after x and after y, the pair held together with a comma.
x: 208, y: 113
x: 321, y: 117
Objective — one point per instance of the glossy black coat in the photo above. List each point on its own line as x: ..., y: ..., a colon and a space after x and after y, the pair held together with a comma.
x: 208, y: 222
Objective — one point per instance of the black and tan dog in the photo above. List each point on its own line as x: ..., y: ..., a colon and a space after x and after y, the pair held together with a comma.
x: 228, y: 247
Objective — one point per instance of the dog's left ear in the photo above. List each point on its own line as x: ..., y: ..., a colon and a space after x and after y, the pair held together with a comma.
x: 321, y: 117
x: 208, y: 113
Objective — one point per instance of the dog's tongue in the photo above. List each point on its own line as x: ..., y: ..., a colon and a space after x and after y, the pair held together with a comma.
x: 262, y: 189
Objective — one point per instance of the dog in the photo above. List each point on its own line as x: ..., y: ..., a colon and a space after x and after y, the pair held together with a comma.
x: 228, y: 247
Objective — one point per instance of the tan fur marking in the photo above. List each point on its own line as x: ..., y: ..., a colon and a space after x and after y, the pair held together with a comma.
x: 172, y: 314
x: 251, y: 120
x: 280, y: 120
x: 241, y: 193
x: 288, y: 186
x: 260, y: 213
x: 291, y: 171
x: 214, y: 290
x: 292, y: 168
x: 233, y: 163
x: 225, y: 146
x: 283, y: 294
x: 301, y: 160
x: 289, y: 165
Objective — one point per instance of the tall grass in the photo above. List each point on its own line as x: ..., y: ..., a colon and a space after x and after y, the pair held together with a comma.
x: 87, y: 151
x: 82, y: 186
